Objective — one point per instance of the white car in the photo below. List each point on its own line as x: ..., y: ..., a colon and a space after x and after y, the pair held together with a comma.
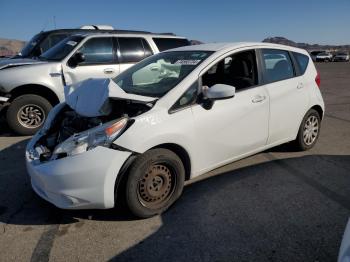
x: 172, y: 117
x: 344, y: 251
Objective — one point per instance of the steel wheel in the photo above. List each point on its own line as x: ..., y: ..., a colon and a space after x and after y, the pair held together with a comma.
x: 156, y: 186
x: 311, y: 129
x: 31, y: 116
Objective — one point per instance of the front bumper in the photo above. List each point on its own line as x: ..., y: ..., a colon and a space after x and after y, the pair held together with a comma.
x: 4, y: 102
x: 84, y: 181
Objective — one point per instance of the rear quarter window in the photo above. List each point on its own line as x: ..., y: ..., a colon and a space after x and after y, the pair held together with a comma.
x: 302, y: 61
x: 169, y: 43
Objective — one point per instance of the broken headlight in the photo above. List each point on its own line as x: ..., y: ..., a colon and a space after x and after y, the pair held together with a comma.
x: 102, y: 135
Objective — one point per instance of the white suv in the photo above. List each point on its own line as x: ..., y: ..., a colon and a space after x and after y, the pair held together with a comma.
x: 172, y: 117
x: 30, y: 87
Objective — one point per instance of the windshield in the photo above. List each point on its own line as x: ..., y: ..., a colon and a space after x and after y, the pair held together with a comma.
x: 31, y: 45
x: 158, y: 74
x: 62, y: 49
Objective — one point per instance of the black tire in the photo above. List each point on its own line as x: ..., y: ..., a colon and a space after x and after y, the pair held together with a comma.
x: 165, y: 170
x: 34, y: 108
x: 301, y: 143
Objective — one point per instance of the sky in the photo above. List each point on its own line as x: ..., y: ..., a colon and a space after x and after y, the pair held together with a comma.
x: 311, y: 21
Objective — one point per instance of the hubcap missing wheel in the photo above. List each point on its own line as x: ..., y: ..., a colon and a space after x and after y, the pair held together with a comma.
x: 156, y: 186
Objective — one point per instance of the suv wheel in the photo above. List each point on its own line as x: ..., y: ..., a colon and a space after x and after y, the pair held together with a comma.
x: 309, y: 131
x: 155, y: 181
x: 27, y: 113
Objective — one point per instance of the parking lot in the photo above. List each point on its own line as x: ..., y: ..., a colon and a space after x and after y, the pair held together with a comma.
x: 275, y: 206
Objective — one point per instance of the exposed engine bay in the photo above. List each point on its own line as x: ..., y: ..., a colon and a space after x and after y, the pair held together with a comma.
x: 68, y: 123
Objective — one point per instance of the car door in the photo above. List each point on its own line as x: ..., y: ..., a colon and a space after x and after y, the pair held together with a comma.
x: 132, y: 50
x: 231, y: 127
x: 288, y: 94
x: 100, y: 61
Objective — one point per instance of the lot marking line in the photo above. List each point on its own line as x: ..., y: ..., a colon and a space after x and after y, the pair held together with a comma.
x: 43, y: 248
x: 338, y: 118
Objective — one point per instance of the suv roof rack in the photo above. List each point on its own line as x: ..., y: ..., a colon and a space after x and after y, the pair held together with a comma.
x: 88, y: 29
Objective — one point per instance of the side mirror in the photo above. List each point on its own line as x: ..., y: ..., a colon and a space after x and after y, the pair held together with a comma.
x: 220, y: 91
x: 76, y: 59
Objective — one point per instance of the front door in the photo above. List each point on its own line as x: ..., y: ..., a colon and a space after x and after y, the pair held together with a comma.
x: 236, y: 126
x: 100, y: 61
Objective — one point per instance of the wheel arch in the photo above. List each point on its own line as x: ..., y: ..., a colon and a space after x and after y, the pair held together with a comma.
x: 181, y: 153
x: 319, y: 110
x: 35, y: 89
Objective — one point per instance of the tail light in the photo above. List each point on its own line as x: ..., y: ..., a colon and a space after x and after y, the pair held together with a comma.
x: 318, y: 79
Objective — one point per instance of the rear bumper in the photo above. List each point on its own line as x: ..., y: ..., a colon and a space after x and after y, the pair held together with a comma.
x: 84, y: 181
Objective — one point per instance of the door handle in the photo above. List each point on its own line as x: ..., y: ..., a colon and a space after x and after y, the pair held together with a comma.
x: 258, y: 99
x: 300, y: 85
x: 108, y: 71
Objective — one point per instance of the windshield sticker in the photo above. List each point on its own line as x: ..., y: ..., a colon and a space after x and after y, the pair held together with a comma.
x: 72, y: 43
x: 187, y: 62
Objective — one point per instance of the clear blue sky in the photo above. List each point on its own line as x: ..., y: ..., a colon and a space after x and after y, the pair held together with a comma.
x: 312, y: 21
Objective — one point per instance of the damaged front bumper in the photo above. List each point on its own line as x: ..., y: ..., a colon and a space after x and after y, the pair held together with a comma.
x: 83, y: 181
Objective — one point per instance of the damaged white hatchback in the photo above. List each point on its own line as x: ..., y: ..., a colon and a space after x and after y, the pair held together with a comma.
x: 170, y: 118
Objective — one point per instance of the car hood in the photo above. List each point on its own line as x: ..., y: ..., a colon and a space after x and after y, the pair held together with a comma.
x: 9, y: 63
x: 92, y: 97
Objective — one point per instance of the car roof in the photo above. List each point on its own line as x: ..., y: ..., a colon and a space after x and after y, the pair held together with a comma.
x: 229, y: 46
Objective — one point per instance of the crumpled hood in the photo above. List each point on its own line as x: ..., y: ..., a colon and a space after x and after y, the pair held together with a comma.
x: 91, y: 98
x: 18, y: 62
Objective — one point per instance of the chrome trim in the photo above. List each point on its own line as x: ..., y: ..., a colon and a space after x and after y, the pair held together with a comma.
x: 4, y: 99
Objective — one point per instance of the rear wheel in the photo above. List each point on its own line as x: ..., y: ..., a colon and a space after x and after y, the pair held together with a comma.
x: 27, y: 113
x: 155, y: 181
x: 309, y: 131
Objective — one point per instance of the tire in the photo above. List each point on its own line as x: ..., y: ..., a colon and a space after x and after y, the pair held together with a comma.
x: 309, y: 131
x: 155, y: 181
x: 27, y: 113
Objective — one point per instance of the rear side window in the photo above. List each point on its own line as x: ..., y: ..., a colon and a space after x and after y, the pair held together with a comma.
x: 302, y: 60
x: 98, y: 51
x: 278, y: 65
x: 133, y: 49
x: 169, y: 43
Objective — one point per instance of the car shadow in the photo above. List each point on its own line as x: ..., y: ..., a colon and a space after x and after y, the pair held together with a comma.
x: 293, y: 208
x: 4, y: 128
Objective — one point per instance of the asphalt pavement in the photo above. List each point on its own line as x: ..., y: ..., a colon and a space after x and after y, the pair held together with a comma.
x: 274, y: 206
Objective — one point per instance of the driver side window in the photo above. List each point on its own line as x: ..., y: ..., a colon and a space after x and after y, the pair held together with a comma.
x: 238, y: 70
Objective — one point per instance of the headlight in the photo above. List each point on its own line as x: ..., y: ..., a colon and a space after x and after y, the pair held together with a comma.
x: 102, y: 135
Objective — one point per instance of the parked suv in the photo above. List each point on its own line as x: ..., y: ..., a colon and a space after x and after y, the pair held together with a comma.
x: 172, y: 117
x: 30, y: 87
x: 44, y: 40
x: 324, y: 57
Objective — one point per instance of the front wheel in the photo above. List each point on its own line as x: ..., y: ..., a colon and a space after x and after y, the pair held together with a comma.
x: 309, y: 131
x: 27, y: 113
x: 155, y: 181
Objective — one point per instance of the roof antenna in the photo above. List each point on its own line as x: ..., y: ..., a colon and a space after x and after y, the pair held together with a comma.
x: 44, y: 25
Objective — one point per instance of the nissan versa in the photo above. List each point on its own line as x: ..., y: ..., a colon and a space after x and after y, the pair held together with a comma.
x: 170, y: 118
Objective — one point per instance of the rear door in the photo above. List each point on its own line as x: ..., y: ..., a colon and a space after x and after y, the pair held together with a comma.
x: 132, y: 50
x: 100, y: 61
x: 289, y: 98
